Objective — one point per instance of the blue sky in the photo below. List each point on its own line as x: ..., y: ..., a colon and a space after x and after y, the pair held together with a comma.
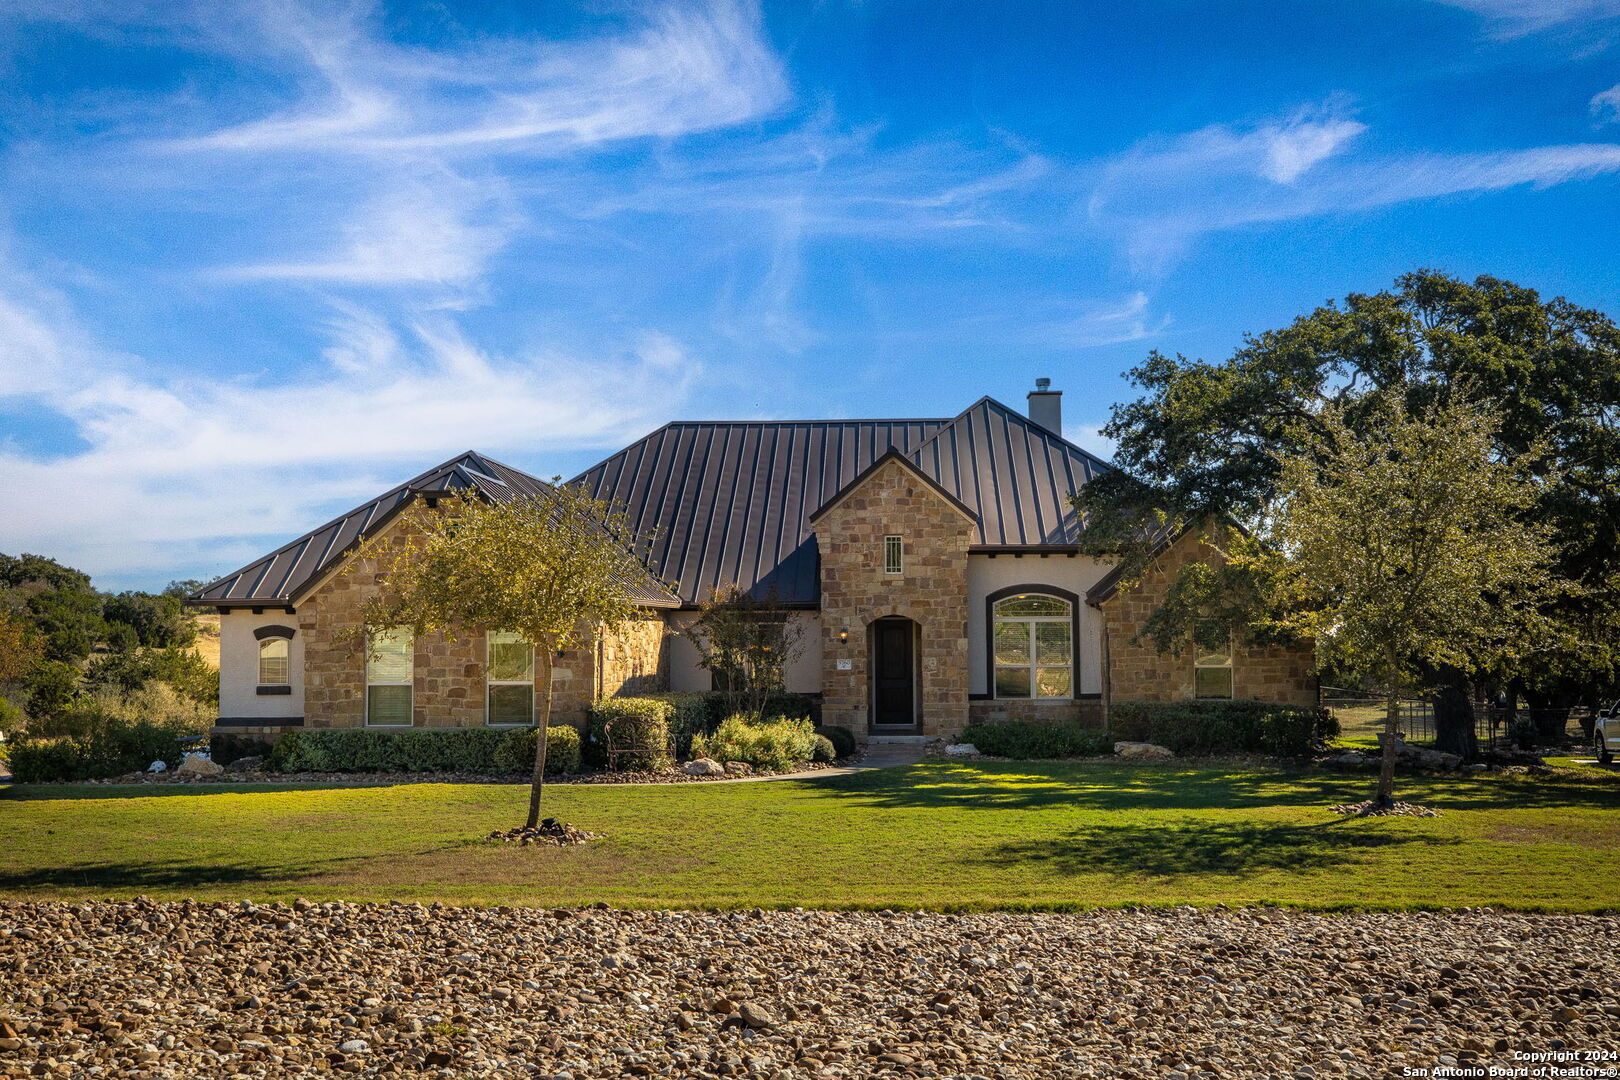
x: 259, y: 261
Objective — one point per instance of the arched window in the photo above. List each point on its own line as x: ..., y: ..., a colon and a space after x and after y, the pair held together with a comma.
x: 1033, y: 646
x: 273, y: 669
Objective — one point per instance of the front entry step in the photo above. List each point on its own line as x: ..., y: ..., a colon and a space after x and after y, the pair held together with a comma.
x: 897, y: 740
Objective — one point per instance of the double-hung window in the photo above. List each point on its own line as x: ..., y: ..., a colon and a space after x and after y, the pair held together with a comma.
x: 1212, y: 660
x: 390, y: 669
x: 1033, y: 642
x: 509, y: 675
x: 273, y: 669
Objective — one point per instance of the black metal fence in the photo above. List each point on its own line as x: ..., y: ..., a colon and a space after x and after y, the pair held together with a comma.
x: 1361, y: 718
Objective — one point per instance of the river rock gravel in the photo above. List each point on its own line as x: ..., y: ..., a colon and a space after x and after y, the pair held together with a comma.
x: 157, y: 990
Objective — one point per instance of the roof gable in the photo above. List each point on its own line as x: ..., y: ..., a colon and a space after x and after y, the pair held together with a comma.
x: 909, y: 466
x: 286, y: 574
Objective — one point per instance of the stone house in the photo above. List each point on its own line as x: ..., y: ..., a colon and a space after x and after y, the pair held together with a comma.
x: 932, y: 566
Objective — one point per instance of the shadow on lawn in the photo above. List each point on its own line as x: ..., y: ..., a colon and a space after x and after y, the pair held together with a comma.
x: 42, y: 792
x: 1193, y: 786
x: 1200, y: 848
x: 124, y: 875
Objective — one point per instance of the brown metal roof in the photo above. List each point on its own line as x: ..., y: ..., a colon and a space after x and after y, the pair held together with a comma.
x: 281, y: 576
x: 731, y: 501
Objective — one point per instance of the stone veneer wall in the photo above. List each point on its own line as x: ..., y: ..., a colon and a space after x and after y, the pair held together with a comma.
x: 932, y: 592
x: 449, y: 678
x: 1279, y: 674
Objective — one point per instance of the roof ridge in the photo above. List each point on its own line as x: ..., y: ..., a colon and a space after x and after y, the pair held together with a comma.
x: 1022, y: 418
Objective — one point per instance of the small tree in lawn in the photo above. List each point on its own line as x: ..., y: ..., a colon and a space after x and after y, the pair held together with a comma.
x: 748, y: 642
x: 1402, y: 544
x: 552, y: 568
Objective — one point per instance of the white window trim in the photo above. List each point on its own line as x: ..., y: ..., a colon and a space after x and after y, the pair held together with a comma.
x: 490, y: 684
x: 897, y: 546
x: 409, y: 682
x: 285, y: 661
x: 1067, y: 620
x: 1229, y: 667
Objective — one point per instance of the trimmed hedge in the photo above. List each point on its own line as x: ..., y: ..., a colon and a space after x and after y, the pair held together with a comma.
x: 1224, y: 727
x: 109, y: 750
x: 1035, y: 739
x: 823, y: 751
x: 226, y: 748
x: 776, y: 745
x: 842, y: 738
x: 473, y: 750
x: 516, y: 754
x: 641, y: 726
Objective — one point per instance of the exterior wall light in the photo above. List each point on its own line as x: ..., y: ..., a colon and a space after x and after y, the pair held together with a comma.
x: 843, y: 637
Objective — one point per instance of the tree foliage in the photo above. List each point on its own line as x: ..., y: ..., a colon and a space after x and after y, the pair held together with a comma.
x: 555, y: 568
x: 1199, y: 442
x: 1404, y: 549
x: 748, y: 642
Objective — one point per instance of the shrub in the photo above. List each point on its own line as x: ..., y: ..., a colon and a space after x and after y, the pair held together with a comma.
x: 824, y: 750
x: 472, y: 750
x: 1034, y: 739
x: 12, y: 718
x: 842, y: 738
x: 1214, y: 727
x: 693, y: 715
x: 775, y: 745
x: 640, y: 733
x: 516, y: 755
x: 111, y: 749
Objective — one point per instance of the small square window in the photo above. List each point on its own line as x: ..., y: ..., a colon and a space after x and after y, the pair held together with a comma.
x: 892, y: 555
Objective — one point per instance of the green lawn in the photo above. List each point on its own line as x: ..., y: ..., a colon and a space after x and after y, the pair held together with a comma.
x: 947, y: 836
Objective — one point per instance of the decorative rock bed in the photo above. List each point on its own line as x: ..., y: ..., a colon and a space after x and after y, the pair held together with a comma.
x: 171, y: 991
x: 260, y: 776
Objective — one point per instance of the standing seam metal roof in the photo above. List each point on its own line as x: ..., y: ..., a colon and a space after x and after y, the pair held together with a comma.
x: 730, y: 501
x: 279, y: 577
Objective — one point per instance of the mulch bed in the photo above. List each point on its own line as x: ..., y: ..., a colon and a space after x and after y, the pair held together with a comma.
x: 260, y: 776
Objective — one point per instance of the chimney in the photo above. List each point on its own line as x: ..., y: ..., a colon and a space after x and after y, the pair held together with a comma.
x: 1046, y: 406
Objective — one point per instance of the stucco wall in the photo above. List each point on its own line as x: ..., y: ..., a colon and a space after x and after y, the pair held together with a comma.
x: 932, y: 591
x: 1142, y: 673
x: 239, y: 668
x: 1077, y: 574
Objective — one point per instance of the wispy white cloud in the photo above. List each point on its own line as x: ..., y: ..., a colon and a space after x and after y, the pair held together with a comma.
x: 188, y: 467
x: 1162, y: 194
x: 687, y: 68
x: 440, y: 231
x: 1510, y: 18
x: 1605, y: 105
x: 1094, y: 324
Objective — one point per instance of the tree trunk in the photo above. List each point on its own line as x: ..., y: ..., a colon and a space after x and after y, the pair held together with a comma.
x: 1392, y: 732
x: 1454, y: 714
x: 538, y: 780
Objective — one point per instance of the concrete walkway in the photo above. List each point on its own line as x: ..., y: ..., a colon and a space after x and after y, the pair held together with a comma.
x: 878, y: 756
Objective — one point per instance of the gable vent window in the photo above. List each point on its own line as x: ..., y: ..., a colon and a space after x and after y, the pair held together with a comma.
x: 273, y: 669
x: 892, y: 555
x: 510, y: 677
x: 1212, y: 661
x: 390, y: 669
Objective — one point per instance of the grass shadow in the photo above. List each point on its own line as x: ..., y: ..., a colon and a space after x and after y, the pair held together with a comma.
x: 1202, y: 848
x: 127, y: 875
x: 1192, y: 786
x: 45, y: 792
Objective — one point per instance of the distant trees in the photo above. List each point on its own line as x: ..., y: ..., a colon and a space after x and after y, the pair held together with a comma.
x: 60, y: 638
x: 1200, y: 444
x: 1400, y: 549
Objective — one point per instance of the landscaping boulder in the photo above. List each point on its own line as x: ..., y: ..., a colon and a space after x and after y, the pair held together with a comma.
x: 1353, y: 758
x: 197, y: 765
x: 703, y: 767
x: 739, y: 768
x: 1427, y: 759
x: 1143, y: 751
x: 962, y: 749
x: 251, y: 763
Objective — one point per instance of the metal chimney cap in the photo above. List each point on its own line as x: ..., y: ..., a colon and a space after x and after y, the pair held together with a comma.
x: 1043, y: 385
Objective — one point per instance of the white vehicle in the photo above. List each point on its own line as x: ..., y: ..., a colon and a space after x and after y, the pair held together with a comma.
x: 1606, y: 733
